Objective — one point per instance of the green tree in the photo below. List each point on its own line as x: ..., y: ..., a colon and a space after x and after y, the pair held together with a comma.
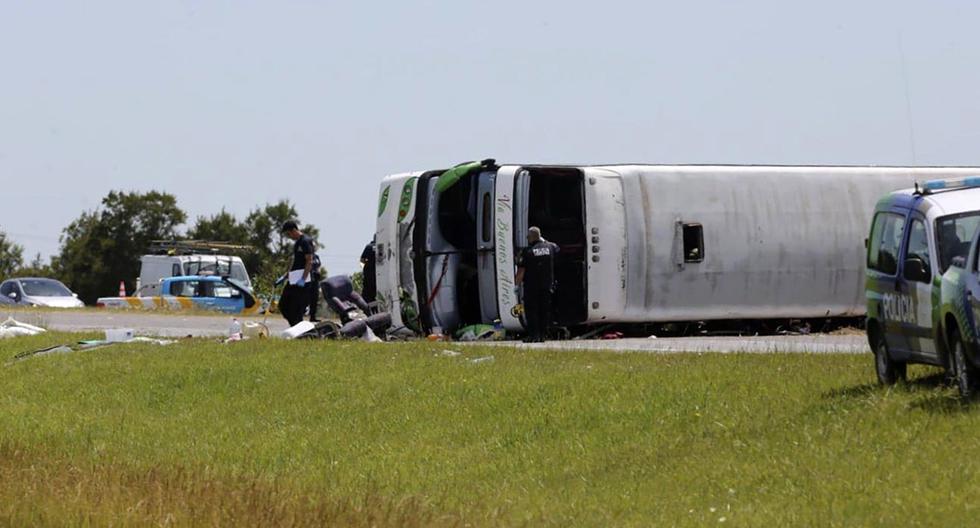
x: 261, y: 231
x: 222, y: 227
x: 272, y: 248
x: 37, y: 268
x: 265, y: 230
x: 11, y: 256
x: 102, y: 247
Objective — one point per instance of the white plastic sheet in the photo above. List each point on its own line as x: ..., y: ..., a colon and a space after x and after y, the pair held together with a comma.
x: 370, y: 336
x: 295, y: 331
x: 13, y: 328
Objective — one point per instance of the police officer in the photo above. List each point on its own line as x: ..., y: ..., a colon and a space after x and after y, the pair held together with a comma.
x: 369, y: 284
x: 296, y: 295
x: 536, y: 272
x: 317, y: 276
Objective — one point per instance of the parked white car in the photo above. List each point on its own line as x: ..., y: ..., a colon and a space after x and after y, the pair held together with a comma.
x: 33, y: 291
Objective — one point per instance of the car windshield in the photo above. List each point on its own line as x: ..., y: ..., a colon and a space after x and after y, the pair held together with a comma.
x: 44, y: 288
x: 954, y: 235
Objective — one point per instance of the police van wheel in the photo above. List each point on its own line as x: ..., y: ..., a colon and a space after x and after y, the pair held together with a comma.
x: 963, y: 372
x: 889, y: 371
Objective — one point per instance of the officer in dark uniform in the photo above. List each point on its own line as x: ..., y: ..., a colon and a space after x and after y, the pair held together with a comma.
x: 536, y: 272
x: 296, y: 295
x: 316, y: 275
x: 369, y: 284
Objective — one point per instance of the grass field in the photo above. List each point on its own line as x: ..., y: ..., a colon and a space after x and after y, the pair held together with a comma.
x: 313, y: 433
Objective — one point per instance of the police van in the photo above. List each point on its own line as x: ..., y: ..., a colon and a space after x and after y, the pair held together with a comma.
x: 916, y: 236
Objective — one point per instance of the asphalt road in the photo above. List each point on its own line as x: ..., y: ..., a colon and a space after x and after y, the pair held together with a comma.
x: 176, y: 325
x: 142, y: 323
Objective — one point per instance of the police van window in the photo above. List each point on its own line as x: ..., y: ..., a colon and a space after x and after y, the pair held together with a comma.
x: 919, y: 244
x: 886, y: 239
x: 954, y: 235
x: 693, y: 235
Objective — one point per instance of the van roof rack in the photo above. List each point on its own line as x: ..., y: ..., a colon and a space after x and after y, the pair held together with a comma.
x: 195, y: 247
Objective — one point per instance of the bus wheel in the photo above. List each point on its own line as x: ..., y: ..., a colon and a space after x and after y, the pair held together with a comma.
x: 888, y: 370
x: 963, y: 372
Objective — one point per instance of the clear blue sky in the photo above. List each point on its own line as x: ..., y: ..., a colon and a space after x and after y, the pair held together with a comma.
x: 233, y: 104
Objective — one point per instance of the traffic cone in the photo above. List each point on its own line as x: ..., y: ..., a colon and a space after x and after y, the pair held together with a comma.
x: 122, y: 288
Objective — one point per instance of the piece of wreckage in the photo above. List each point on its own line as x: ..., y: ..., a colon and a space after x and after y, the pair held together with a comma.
x: 201, y: 292
x: 358, y: 318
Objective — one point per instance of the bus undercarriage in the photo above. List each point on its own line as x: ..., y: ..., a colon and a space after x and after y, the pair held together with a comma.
x: 456, y: 271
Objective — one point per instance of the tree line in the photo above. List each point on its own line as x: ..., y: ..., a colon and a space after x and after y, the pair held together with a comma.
x: 103, y: 246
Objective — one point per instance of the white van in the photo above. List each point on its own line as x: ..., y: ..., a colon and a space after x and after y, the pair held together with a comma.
x: 640, y: 243
x: 155, y: 268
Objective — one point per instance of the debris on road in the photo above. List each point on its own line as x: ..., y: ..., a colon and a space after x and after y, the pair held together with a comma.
x: 298, y: 330
x: 57, y: 349
x: 249, y: 330
x: 370, y: 336
x: 119, y: 335
x: 252, y: 329
x: 478, y: 332
x: 486, y: 359
x: 14, y: 328
x: 151, y: 340
x: 88, y: 345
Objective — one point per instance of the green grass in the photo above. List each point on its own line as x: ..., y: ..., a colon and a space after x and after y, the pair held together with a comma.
x: 303, y: 433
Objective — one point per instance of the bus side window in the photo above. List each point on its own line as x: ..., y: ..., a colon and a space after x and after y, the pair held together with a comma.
x: 693, y: 235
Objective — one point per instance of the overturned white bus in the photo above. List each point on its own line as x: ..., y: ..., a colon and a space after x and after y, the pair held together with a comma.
x: 640, y: 243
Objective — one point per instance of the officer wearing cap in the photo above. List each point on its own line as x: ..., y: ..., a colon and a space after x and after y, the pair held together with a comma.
x: 296, y: 296
x: 536, y: 273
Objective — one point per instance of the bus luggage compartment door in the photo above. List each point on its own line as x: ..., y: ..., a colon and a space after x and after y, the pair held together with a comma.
x: 606, y: 232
